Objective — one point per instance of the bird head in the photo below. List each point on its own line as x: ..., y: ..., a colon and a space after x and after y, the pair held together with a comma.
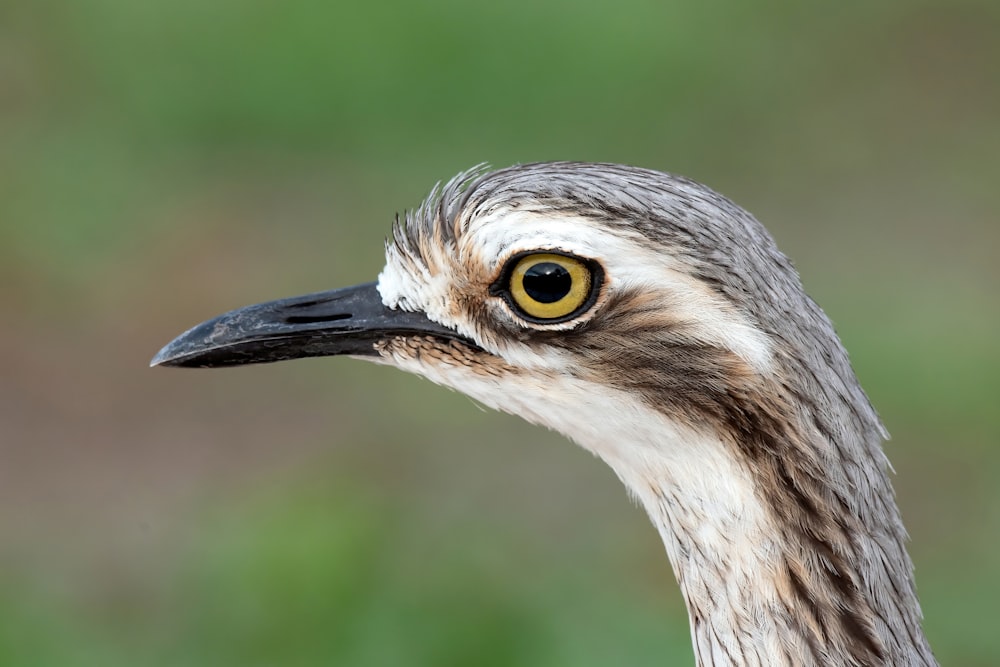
x: 540, y: 289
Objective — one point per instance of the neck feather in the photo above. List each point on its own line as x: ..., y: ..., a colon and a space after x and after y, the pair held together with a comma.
x: 788, y: 547
x: 778, y: 517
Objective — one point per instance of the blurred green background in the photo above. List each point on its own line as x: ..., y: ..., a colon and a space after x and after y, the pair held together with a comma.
x: 161, y: 162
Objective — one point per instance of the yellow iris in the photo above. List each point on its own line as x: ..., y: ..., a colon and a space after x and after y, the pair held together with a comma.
x: 547, y: 286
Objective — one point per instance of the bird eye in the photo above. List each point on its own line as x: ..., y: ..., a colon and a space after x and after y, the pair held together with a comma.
x: 549, y: 287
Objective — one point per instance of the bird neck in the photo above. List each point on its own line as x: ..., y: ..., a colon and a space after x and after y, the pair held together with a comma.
x: 776, y: 566
x: 778, y: 517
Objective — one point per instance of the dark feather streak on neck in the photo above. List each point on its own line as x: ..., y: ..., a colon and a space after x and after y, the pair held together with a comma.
x: 820, y: 529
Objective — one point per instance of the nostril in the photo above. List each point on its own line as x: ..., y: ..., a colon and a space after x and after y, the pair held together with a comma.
x: 315, y: 319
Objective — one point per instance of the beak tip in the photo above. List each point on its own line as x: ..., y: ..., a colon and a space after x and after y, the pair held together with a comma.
x: 190, y: 344
x: 162, y: 358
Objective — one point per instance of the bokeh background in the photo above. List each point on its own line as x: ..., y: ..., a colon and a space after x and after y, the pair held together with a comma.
x: 161, y: 162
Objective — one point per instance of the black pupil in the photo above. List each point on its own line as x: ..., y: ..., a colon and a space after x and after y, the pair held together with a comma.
x: 547, y: 282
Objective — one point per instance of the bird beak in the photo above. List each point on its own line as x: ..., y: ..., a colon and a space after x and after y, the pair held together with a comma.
x: 351, y: 321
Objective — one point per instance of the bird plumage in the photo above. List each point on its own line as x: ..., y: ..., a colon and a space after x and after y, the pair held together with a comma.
x: 698, y: 369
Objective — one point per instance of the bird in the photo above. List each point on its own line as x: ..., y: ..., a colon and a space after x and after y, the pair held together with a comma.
x: 656, y: 324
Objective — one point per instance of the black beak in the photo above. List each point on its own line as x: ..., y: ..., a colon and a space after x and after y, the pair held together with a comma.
x: 343, y: 321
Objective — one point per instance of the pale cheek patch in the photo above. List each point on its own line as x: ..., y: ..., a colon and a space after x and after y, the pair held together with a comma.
x: 406, y: 284
x: 402, y: 281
